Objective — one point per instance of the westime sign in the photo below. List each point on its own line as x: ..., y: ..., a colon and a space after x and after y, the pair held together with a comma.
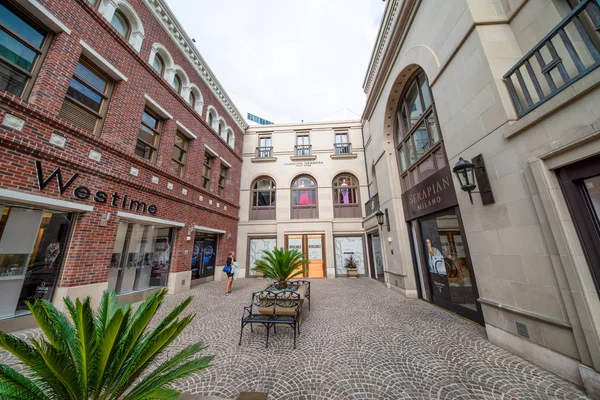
x: 435, y: 193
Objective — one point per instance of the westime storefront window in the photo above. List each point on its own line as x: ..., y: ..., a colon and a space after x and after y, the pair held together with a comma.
x: 32, y: 245
x: 141, y: 257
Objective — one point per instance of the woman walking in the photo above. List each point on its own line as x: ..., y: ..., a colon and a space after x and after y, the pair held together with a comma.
x: 229, y: 270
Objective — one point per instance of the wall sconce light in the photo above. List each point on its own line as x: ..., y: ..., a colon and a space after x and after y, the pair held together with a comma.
x: 470, y: 172
x: 379, y: 215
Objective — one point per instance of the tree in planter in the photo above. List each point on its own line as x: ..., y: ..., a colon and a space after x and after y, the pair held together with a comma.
x: 351, y: 264
x: 99, y: 355
x: 280, y: 264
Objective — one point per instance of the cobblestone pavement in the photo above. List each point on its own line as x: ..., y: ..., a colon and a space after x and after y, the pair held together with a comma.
x: 359, y: 341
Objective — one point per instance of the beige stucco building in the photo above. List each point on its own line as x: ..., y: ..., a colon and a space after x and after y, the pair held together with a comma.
x: 303, y: 187
x: 516, y: 82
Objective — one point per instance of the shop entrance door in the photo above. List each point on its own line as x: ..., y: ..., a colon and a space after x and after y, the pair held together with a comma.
x: 204, y: 257
x: 449, y: 271
x: 313, y: 248
x: 376, y: 257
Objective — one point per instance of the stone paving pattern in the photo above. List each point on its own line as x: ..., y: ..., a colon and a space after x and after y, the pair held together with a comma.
x: 359, y: 341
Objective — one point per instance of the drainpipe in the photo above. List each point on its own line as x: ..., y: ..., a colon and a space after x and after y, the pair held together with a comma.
x: 365, y: 159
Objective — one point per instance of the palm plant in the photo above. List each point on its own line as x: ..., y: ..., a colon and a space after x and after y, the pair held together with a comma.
x: 281, y: 265
x: 99, y: 355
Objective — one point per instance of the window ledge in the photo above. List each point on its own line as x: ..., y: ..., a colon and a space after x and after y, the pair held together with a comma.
x: 102, y: 63
x: 303, y: 158
x: 343, y: 156
x: 263, y: 159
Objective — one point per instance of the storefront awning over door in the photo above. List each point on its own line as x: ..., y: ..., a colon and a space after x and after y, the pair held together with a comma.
x: 200, y: 228
x: 15, y: 197
x: 142, y: 219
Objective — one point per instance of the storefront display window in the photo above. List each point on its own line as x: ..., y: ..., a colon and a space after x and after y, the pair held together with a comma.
x: 141, y: 258
x: 32, y: 245
x: 446, y: 261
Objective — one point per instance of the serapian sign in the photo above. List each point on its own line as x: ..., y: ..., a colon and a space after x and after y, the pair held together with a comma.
x: 435, y: 193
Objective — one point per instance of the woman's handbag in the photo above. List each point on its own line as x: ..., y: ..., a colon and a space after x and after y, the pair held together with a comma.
x: 227, y: 269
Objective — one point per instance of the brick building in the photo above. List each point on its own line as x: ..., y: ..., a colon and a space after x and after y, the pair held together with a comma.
x: 120, y: 154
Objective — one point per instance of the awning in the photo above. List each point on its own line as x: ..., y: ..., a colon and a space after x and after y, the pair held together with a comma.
x: 142, y: 219
x: 42, y: 201
x: 200, y: 228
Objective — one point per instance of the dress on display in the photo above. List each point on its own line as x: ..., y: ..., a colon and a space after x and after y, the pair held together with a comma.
x: 304, y: 199
x: 345, y: 194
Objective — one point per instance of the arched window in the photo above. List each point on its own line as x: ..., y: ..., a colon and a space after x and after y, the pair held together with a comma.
x: 346, y: 199
x: 222, y: 131
x: 192, y: 99
x: 210, y: 119
x: 158, y: 64
x: 418, y: 139
x: 304, y: 198
x: 263, y: 199
x: 120, y: 23
x: 230, y: 138
x: 177, y: 84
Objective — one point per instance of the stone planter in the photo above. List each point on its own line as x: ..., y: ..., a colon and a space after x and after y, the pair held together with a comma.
x: 352, y: 272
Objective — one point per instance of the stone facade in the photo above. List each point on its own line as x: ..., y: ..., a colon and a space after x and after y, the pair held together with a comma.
x: 283, y: 165
x: 526, y: 255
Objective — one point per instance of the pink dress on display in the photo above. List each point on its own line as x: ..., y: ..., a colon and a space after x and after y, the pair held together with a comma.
x: 304, y: 200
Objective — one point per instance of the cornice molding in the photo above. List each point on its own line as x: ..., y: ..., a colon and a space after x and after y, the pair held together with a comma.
x: 171, y: 25
x: 397, y: 24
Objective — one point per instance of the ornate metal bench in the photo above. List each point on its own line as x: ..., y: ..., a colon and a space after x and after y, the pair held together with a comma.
x: 271, y: 309
x: 303, y: 282
x: 264, y: 299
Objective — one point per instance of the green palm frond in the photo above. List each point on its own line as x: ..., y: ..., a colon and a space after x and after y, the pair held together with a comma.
x: 281, y: 265
x: 99, y: 355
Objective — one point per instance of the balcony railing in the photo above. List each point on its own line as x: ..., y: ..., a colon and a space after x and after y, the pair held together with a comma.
x: 303, y: 149
x: 372, y: 205
x: 566, y: 54
x: 343, y: 148
x: 264, y: 152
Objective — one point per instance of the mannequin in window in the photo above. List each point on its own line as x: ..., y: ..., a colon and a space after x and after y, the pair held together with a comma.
x: 304, y: 199
x: 345, y: 194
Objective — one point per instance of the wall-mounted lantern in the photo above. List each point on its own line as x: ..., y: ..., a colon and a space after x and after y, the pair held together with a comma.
x: 471, y: 174
x: 379, y: 215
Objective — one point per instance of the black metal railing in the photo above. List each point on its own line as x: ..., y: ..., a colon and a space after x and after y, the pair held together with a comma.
x: 566, y: 54
x: 264, y: 152
x: 372, y: 205
x: 303, y: 149
x: 343, y: 148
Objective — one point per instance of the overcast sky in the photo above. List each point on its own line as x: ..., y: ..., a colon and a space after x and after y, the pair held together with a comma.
x: 302, y: 58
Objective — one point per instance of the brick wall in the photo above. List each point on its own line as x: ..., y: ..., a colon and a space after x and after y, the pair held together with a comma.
x: 91, y: 245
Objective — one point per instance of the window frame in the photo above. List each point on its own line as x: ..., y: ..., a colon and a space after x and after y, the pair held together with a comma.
x: 258, y: 212
x: 162, y: 60
x: 192, y: 103
x: 184, y: 151
x: 207, y: 170
x: 305, y: 152
x: 411, y: 170
x: 299, y: 211
x: 41, y: 52
x: 222, y: 179
x: 128, y: 23
x: 176, y: 78
x: 157, y: 131
x: 350, y: 210
x: 108, y: 90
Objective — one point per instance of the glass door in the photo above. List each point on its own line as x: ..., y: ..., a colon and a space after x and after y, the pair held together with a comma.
x: 204, y: 256
x: 312, y: 246
x: 449, y: 270
x: 378, y: 258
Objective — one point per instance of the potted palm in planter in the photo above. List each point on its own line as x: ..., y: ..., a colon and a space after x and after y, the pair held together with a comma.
x: 103, y: 354
x: 281, y: 265
x: 351, y: 265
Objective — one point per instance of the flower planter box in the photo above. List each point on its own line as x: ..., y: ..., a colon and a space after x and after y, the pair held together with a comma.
x: 352, y: 272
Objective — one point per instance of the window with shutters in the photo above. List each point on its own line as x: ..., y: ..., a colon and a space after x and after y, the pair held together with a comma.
x: 23, y: 44
x: 179, y: 158
x: 87, y: 97
x: 148, y: 136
